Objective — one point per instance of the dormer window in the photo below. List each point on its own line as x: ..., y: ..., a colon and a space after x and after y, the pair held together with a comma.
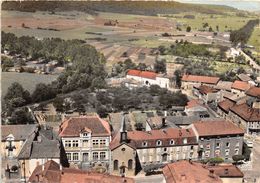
x: 145, y: 144
x: 171, y: 142
x: 185, y: 141
x: 159, y: 143
x: 85, y: 134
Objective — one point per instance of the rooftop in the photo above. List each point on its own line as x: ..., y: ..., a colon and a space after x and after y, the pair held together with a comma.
x: 244, y: 77
x: 20, y: 132
x: 204, y: 89
x: 227, y: 170
x: 200, y: 79
x: 224, y: 85
x: 240, y: 85
x: 143, y: 74
x: 254, y: 92
x: 226, y: 105
x: 217, y: 128
x: 74, y: 126
x: 247, y: 113
x: 188, y: 172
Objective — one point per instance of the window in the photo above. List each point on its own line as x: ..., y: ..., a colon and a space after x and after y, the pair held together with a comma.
x: 67, y: 143
x: 85, y: 143
x: 217, y: 145
x: 185, y: 141
x: 207, y: 154
x: 191, y: 147
x: 159, y: 143
x: 75, y: 143
x: 227, y: 152
x: 144, y: 144
x: 237, y: 144
x: 68, y: 156
x: 172, y: 142
x: 85, y: 134
x: 227, y: 144
x: 85, y: 157
x: 208, y: 146
x: 115, y: 164
x: 75, y: 157
x: 95, y: 155
x: 95, y: 143
x: 130, y: 164
x: 165, y: 149
x: 102, y: 155
x: 236, y: 151
x: 103, y: 142
x: 164, y: 157
x: 123, y: 149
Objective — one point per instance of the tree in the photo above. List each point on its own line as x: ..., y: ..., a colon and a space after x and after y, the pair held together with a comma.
x: 43, y: 92
x: 177, y: 74
x: 160, y: 66
x: 210, y: 29
x: 141, y: 66
x: 188, y: 29
x: 162, y: 49
x: 16, y: 96
x: 128, y: 64
x: 6, y: 63
x: 216, y: 160
x: 21, y: 116
x: 217, y: 28
x: 238, y: 158
x: 58, y: 104
x: 205, y: 25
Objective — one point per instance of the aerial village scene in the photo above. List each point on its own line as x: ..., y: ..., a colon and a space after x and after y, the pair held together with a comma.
x: 130, y: 91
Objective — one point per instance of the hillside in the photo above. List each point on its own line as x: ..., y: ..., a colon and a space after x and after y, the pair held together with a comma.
x: 128, y: 7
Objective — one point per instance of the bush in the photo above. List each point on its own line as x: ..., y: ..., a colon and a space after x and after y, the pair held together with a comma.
x: 237, y: 158
x: 216, y: 160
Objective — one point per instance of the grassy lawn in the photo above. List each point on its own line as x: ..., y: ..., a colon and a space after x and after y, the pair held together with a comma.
x: 222, y: 67
x: 27, y: 80
x: 255, y: 39
x: 232, y: 22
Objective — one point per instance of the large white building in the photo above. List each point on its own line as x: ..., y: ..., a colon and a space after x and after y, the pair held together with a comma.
x: 148, y: 78
x: 86, y: 141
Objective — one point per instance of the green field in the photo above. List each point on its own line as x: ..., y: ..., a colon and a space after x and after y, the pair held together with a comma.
x: 225, y: 22
x: 222, y: 67
x: 27, y: 80
x: 255, y: 39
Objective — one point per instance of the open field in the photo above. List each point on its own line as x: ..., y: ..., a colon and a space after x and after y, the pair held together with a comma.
x: 255, y: 38
x: 222, y: 67
x: 27, y: 80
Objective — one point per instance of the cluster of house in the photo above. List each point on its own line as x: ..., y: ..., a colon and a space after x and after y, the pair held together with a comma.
x: 237, y: 101
x: 87, y: 143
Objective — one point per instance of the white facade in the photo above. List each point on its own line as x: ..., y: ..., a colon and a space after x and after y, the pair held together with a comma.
x: 161, y: 81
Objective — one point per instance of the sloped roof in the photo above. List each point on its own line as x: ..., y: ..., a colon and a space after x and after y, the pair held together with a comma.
x: 244, y: 77
x: 224, y: 85
x: 143, y: 74
x: 247, y: 113
x: 226, y: 105
x: 204, y: 89
x: 216, y: 128
x: 227, y: 170
x: 73, y: 126
x: 254, y: 92
x: 240, y: 85
x: 20, y: 132
x: 188, y: 172
x: 200, y: 79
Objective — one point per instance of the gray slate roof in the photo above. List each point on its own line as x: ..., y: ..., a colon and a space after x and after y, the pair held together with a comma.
x: 41, y: 144
x: 20, y: 132
x: 182, y: 120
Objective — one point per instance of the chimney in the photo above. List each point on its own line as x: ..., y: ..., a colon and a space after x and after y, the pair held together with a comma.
x: 39, y: 138
x: 163, y: 121
x: 211, y: 173
x: 226, y: 171
x: 183, y: 177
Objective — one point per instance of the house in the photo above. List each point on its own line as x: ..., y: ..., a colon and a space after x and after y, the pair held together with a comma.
x: 228, y: 173
x: 13, y: 138
x: 181, y: 121
x: 244, y: 77
x: 52, y: 172
x: 206, y: 93
x: 155, y: 123
x: 254, y: 93
x: 40, y: 146
x: 240, y: 87
x: 224, y: 107
x: 149, y: 78
x: 148, y: 150
x: 188, y: 81
x: 86, y: 141
x: 189, y: 172
x: 224, y: 85
x: 218, y: 138
x: 247, y: 117
x: 196, y: 107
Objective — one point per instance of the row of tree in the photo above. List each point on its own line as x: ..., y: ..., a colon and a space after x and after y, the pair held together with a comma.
x: 243, y: 34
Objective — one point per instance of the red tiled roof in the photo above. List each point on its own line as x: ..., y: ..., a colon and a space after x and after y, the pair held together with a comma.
x: 226, y: 105
x: 188, y: 172
x: 143, y: 74
x: 51, y: 173
x: 194, y: 103
x: 227, y: 171
x: 240, y: 85
x: 215, y: 128
x: 73, y: 126
x: 247, y: 113
x: 254, y: 92
x: 136, y: 138
x: 204, y: 89
x: 200, y: 79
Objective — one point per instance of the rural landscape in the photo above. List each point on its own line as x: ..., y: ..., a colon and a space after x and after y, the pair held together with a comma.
x: 130, y: 91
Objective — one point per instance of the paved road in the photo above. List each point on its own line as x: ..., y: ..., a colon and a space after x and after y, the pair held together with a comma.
x: 254, y: 173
